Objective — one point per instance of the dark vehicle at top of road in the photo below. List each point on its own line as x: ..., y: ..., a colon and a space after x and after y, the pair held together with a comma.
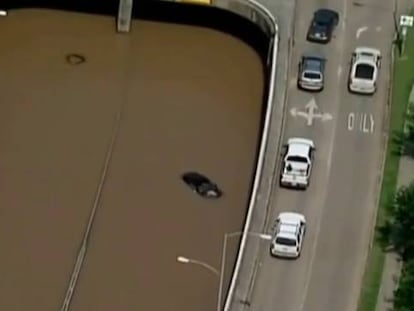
x: 322, y: 26
x: 201, y: 185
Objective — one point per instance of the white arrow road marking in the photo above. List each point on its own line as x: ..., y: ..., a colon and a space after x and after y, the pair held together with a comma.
x: 310, y: 113
x: 326, y: 116
x: 360, y: 31
x: 311, y: 107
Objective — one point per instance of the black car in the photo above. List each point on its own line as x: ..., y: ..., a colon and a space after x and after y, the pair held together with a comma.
x: 322, y: 26
x: 201, y: 185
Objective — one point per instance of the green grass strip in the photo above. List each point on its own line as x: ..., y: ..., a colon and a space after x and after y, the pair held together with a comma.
x: 403, y: 80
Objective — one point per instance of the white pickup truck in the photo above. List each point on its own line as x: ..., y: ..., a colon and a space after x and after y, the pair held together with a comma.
x: 297, y: 163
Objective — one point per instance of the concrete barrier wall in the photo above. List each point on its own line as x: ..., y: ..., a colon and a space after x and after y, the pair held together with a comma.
x: 258, y: 14
x: 247, y: 9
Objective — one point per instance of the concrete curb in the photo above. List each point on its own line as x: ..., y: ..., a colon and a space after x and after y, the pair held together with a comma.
x: 273, y: 179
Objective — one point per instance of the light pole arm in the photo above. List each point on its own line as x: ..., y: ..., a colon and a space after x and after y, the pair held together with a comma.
x: 205, y: 265
x: 259, y: 235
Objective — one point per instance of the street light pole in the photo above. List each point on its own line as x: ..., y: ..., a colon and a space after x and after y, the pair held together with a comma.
x: 199, y: 263
x: 220, y: 273
x: 223, y: 259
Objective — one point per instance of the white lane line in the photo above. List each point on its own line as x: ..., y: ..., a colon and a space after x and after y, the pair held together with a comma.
x: 344, y: 15
x: 339, y: 71
x: 328, y: 170
x: 360, y: 30
x: 372, y: 123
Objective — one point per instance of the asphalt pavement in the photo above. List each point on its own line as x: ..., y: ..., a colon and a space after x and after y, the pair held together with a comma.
x: 340, y: 203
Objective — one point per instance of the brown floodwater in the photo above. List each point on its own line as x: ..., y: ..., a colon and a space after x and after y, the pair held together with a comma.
x: 190, y: 99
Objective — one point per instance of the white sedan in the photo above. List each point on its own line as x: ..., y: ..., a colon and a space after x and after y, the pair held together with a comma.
x: 365, y: 66
x: 288, y: 236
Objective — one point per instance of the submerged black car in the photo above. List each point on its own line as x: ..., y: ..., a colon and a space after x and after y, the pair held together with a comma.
x: 322, y: 26
x: 201, y: 185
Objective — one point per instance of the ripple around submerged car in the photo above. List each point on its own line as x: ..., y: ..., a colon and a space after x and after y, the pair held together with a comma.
x: 201, y: 185
x: 288, y: 237
x: 322, y: 26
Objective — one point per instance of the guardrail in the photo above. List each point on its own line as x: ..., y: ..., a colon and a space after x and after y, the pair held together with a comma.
x: 261, y: 16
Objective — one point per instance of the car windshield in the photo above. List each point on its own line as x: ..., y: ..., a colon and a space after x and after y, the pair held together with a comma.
x: 312, y: 75
x: 320, y: 24
x: 297, y: 159
x: 366, y: 54
x: 285, y: 241
x: 364, y: 71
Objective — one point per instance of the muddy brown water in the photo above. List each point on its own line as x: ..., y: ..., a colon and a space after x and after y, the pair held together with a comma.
x: 191, y: 100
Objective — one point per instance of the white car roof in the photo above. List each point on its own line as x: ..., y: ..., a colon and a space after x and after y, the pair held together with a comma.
x: 299, y: 146
x: 367, y: 50
x: 298, y: 150
x: 289, y: 224
x: 291, y: 217
x: 366, y: 55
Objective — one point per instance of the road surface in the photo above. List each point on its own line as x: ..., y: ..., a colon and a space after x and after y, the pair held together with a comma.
x: 340, y: 202
x: 191, y: 100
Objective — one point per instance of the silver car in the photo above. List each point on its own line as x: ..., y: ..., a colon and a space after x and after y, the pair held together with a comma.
x: 311, y: 73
